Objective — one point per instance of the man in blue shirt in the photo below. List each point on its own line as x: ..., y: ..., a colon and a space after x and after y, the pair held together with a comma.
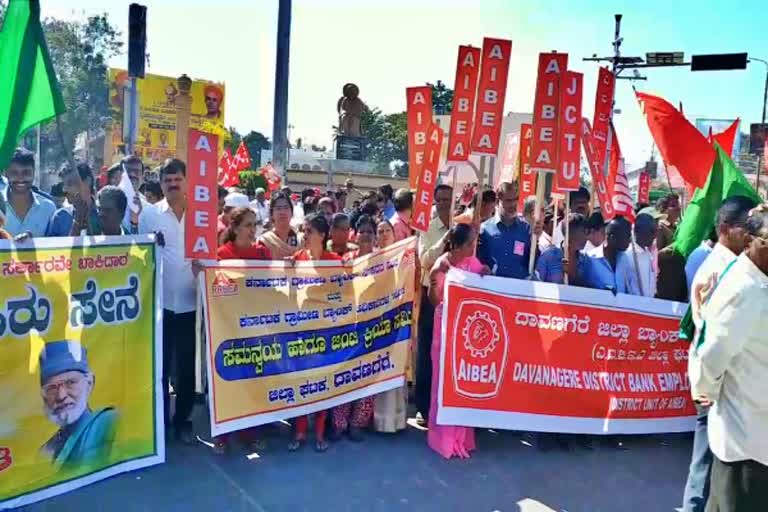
x: 550, y: 267
x: 28, y: 212
x: 505, y: 239
x: 78, y: 185
x: 602, y: 273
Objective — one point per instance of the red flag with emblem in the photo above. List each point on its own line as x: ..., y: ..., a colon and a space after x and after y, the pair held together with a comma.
x: 242, y: 159
x: 227, y: 175
x: 272, y: 177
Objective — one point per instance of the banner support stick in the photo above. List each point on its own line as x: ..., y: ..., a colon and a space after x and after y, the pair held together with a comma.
x: 566, y: 249
x: 541, y: 183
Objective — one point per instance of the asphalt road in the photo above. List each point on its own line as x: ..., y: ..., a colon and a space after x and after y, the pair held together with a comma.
x: 399, y: 473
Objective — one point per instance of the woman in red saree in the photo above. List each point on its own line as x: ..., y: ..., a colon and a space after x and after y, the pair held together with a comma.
x: 316, y: 229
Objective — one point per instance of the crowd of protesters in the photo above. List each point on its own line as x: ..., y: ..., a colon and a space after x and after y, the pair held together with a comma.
x: 478, y: 231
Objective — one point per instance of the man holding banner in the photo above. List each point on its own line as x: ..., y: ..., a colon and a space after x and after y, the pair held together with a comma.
x: 505, y: 239
x: 166, y: 220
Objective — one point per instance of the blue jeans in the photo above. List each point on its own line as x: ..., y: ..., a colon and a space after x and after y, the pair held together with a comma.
x: 697, y: 486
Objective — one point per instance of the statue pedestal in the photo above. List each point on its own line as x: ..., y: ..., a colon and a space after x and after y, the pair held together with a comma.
x: 350, y: 148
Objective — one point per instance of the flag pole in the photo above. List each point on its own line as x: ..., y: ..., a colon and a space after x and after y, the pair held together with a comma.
x: 67, y: 152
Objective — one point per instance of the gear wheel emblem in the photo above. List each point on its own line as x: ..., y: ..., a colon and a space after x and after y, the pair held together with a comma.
x: 480, y: 334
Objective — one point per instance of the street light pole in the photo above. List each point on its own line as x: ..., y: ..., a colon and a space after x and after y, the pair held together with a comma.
x: 761, y: 159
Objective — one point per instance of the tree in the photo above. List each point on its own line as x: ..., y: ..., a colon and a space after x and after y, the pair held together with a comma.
x: 442, y: 98
x: 254, y: 141
x: 79, y: 51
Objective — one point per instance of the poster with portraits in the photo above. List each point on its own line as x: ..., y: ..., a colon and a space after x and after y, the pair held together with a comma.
x: 156, y: 136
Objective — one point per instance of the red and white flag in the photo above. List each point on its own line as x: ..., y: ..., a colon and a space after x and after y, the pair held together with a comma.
x: 227, y: 175
x: 272, y: 177
x: 242, y: 159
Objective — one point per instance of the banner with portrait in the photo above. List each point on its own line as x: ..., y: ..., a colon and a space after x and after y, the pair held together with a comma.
x: 533, y: 356
x: 156, y: 134
x: 286, y: 340
x: 80, y: 362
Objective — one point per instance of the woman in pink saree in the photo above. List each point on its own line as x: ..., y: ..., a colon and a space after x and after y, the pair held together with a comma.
x: 450, y: 441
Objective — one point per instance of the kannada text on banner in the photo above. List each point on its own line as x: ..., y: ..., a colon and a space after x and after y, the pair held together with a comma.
x: 536, y: 356
x: 81, y: 357
x: 285, y: 340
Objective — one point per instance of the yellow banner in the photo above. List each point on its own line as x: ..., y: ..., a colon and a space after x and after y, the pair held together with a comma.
x: 290, y: 340
x: 79, y: 364
x: 156, y: 136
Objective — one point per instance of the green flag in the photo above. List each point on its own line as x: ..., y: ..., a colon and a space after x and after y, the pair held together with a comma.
x: 725, y: 180
x: 29, y: 91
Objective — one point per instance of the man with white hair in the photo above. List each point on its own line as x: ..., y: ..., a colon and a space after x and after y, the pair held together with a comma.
x: 85, y: 436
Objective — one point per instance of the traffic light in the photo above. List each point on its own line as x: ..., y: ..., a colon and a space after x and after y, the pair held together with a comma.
x: 720, y: 61
x: 137, y: 40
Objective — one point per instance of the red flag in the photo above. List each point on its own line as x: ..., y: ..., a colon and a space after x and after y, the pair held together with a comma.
x: 727, y: 138
x: 227, y: 175
x: 272, y: 177
x: 619, y: 186
x: 683, y: 148
x: 464, y: 92
x: 242, y: 160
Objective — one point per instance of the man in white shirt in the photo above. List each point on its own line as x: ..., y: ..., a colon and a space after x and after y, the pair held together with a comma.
x: 639, y: 266
x: 260, y: 206
x: 431, y: 246
x: 731, y: 219
x: 733, y: 356
x: 179, y: 295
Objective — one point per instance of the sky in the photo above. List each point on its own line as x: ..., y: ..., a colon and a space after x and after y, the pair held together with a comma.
x: 385, y: 46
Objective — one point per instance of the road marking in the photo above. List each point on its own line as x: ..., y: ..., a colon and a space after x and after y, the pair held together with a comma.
x: 250, y: 499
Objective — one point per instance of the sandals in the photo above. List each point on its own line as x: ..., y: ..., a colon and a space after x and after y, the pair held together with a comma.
x: 321, y: 445
x: 295, y: 444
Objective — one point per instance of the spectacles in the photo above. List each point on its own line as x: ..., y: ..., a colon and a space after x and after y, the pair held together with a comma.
x: 51, y: 390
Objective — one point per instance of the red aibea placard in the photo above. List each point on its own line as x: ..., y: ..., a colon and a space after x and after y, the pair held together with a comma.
x: 560, y: 359
x: 425, y: 188
x: 419, y: 113
x: 527, y: 178
x: 644, y: 188
x: 603, y: 106
x: 509, y: 159
x: 491, y: 92
x: 598, y: 178
x: 546, y: 139
x: 200, y: 218
x: 464, y: 91
x: 567, y: 176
